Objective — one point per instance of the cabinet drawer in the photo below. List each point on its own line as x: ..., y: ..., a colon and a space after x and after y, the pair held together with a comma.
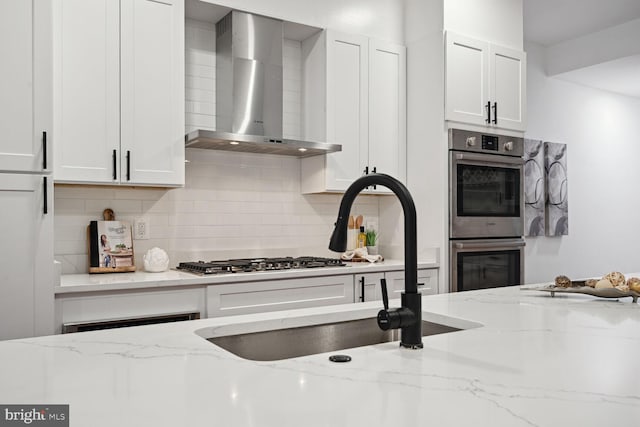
x: 120, y: 305
x: 427, y: 282
x: 264, y: 296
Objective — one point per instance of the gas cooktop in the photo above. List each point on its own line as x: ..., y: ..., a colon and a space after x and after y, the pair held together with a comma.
x: 258, y: 264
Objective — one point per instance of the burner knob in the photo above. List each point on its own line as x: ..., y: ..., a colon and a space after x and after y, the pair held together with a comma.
x: 508, y: 146
x: 471, y: 141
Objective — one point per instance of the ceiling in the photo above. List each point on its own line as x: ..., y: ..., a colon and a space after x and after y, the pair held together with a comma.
x: 551, y: 22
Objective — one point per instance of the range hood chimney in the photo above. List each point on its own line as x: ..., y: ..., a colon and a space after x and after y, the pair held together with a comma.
x: 249, y: 91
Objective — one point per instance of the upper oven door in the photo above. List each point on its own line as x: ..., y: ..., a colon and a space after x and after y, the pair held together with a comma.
x: 486, y: 195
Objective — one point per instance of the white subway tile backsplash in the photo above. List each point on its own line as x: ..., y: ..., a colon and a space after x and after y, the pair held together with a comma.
x: 197, y: 107
x: 199, y: 70
x: 200, y: 57
x: 70, y: 247
x: 147, y: 194
x: 200, y: 83
x: 161, y: 206
x: 200, y: 96
x: 121, y: 207
x: 201, y: 121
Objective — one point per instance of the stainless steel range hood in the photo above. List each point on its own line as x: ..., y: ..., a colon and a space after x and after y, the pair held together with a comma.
x: 249, y: 91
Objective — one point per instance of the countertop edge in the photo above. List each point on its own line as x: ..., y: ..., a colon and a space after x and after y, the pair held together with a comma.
x: 87, y: 283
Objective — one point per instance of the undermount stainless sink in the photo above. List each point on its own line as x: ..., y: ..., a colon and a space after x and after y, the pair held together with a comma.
x: 306, y: 340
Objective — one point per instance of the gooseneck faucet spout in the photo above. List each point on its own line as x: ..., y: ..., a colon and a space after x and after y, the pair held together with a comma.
x: 409, y: 316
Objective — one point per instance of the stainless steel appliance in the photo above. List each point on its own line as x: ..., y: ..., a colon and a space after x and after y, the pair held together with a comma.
x: 486, y: 263
x: 486, y: 185
x: 258, y: 264
x: 486, y: 210
x: 249, y: 91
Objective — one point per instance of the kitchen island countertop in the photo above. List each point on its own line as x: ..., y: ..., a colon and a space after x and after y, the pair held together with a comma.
x: 524, y: 359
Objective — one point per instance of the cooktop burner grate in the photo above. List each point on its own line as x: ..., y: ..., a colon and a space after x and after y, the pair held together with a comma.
x: 258, y: 264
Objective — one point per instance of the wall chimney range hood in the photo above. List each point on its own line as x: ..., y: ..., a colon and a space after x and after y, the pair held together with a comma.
x: 249, y: 91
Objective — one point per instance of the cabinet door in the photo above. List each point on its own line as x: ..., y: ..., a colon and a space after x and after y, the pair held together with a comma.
x: 387, y: 110
x: 467, y: 79
x: 152, y: 96
x: 347, y: 108
x: 508, y: 86
x: 367, y: 287
x: 25, y: 84
x: 26, y: 259
x: 87, y: 90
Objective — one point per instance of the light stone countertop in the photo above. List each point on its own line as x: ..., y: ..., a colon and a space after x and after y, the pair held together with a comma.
x: 525, y: 359
x: 140, y: 279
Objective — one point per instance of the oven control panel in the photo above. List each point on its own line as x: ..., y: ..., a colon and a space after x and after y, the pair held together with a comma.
x: 490, y: 142
x: 464, y: 140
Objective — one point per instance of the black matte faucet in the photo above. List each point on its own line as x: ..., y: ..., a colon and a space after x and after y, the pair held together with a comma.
x: 409, y: 316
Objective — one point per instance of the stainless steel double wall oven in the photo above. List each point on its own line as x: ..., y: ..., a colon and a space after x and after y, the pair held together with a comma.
x: 486, y: 208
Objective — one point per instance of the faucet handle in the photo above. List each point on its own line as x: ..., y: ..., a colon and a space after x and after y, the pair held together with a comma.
x: 385, y: 295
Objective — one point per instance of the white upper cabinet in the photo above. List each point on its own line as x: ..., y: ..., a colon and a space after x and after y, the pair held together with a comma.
x: 152, y: 91
x: 119, y: 92
x: 508, y: 83
x: 347, y: 108
x: 25, y: 85
x: 485, y: 83
x: 362, y: 107
x: 387, y: 110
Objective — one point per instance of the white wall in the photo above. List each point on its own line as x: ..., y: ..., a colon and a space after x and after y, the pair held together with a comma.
x: 496, y: 21
x: 601, y: 131
x: 426, y: 142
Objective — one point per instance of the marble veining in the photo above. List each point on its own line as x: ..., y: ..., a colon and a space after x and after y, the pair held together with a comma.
x: 524, y: 359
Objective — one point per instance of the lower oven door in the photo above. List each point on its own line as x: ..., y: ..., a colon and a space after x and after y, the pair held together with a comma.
x: 482, y: 264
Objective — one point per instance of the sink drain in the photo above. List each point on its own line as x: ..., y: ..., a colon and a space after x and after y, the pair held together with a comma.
x: 340, y: 358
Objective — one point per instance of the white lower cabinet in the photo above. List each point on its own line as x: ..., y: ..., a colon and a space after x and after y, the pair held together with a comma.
x: 26, y: 256
x: 274, y: 295
x: 228, y: 299
x: 369, y: 284
x: 109, y: 306
x: 367, y: 287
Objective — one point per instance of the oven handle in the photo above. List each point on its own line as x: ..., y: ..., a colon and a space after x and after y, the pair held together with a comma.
x: 483, y: 245
x: 490, y: 158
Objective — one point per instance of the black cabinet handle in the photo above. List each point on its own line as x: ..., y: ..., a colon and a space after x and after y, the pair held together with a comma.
x: 495, y: 113
x: 385, y: 295
x: 45, y: 207
x: 44, y: 150
x: 374, y: 171
x: 488, y: 112
x: 362, y: 288
x: 115, y: 165
x: 366, y: 170
x: 128, y: 165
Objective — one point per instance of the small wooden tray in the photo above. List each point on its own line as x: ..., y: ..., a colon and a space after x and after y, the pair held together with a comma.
x: 579, y: 288
x: 354, y: 259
